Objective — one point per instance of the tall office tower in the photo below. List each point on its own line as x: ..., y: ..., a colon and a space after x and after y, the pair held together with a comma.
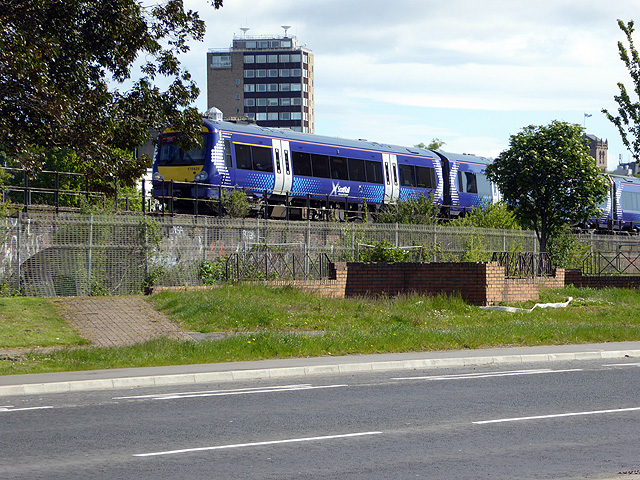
x: 265, y: 79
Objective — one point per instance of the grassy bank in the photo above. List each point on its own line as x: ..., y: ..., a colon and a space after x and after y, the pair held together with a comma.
x: 284, y: 322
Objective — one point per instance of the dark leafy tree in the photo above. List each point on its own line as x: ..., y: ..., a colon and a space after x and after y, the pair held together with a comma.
x: 628, y: 119
x: 548, y: 177
x: 58, y: 62
x: 435, y: 144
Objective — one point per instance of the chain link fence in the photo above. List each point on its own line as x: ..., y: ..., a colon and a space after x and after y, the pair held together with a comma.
x: 70, y: 254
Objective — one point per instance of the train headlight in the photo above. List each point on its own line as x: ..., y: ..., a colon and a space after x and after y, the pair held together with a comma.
x: 201, y: 177
x: 158, y: 177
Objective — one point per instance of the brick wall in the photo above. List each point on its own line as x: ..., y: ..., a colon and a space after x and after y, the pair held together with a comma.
x: 575, y: 277
x: 476, y: 283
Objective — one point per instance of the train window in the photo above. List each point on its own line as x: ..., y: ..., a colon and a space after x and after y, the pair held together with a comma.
x: 467, y: 182
x: 395, y: 174
x: 262, y: 161
x: 356, y: 170
x: 301, y: 163
x: 630, y: 201
x: 339, y: 169
x: 425, y: 177
x: 374, y: 171
x: 171, y: 154
x: 320, y: 164
x: 286, y: 161
x: 243, y: 157
x: 484, y: 186
x: 227, y: 154
x: 407, y: 176
x: 386, y: 171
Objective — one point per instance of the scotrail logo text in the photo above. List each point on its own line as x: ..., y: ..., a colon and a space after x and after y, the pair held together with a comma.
x: 338, y: 190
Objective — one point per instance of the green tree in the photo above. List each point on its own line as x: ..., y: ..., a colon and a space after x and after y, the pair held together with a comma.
x: 436, y: 144
x: 548, y: 178
x: 489, y: 215
x: 628, y: 119
x: 58, y: 61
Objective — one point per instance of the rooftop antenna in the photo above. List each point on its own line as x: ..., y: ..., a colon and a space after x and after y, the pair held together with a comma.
x: 286, y: 27
x: 244, y: 31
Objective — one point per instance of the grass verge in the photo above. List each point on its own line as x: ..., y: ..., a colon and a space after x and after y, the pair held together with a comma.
x: 285, y: 322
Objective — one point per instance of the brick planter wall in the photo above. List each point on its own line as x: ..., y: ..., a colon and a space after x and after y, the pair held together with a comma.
x: 476, y: 283
x: 575, y: 277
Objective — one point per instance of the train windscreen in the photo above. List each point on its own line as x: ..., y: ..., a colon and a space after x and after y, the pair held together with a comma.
x: 170, y: 155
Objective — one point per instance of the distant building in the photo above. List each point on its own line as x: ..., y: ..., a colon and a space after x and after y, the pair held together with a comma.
x: 627, y: 169
x: 598, y: 150
x: 266, y: 79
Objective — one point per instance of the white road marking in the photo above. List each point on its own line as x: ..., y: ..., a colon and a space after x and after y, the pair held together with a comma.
x: 240, y: 391
x: 558, y: 415
x: 622, y: 365
x: 10, y: 409
x: 256, y: 444
x: 468, y: 376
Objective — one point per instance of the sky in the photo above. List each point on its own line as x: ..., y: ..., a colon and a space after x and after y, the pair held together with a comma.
x: 467, y: 72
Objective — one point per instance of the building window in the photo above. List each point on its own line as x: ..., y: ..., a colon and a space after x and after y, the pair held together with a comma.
x: 296, y: 72
x: 272, y: 116
x: 261, y: 102
x: 261, y: 59
x: 296, y: 101
x: 273, y: 59
x: 221, y: 61
x: 285, y: 43
x: 272, y: 87
x: 251, y: 45
x: 285, y: 116
x: 251, y: 116
x: 249, y: 87
x: 296, y: 87
x: 296, y: 115
x: 284, y: 58
x: 249, y: 102
x: 273, y: 72
x: 249, y: 74
x: 249, y: 59
x: 296, y: 57
x: 272, y: 102
x: 261, y: 116
x: 284, y: 72
x: 237, y: 96
x: 261, y: 87
x: 261, y: 73
x: 285, y: 87
x: 285, y: 102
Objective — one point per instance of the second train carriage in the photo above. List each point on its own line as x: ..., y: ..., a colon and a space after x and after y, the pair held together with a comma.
x: 313, y: 173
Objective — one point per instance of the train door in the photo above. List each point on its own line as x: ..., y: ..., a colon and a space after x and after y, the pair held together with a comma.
x: 390, y: 170
x: 282, y: 167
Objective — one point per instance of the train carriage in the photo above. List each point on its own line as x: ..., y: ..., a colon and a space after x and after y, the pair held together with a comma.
x: 314, y: 173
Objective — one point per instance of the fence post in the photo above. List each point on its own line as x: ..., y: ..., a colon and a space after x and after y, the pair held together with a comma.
x: 90, y: 251
x: 18, y: 258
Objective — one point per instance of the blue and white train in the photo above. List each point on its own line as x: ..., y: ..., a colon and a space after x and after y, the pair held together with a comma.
x: 313, y: 174
x: 621, y: 210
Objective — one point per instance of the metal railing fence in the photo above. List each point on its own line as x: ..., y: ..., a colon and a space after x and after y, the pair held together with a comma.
x: 524, y: 264
x: 43, y: 254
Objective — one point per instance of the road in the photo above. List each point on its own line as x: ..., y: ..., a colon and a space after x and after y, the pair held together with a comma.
x: 563, y: 420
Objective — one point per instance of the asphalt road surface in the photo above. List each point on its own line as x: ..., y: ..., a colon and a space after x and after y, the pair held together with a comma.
x: 564, y: 420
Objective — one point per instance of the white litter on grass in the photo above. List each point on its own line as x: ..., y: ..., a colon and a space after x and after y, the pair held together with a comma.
x: 525, y: 310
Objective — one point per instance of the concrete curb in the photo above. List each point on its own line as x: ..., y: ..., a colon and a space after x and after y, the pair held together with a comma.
x: 303, y: 371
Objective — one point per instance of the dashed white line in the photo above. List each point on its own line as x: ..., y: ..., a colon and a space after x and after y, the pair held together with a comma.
x: 256, y: 444
x: 558, y: 415
x: 11, y: 409
x: 470, y: 376
x: 240, y: 391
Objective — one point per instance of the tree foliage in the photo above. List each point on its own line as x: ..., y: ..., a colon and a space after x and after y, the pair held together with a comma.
x: 548, y: 177
x: 58, y: 62
x: 435, y: 144
x: 489, y: 215
x: 628, y: 119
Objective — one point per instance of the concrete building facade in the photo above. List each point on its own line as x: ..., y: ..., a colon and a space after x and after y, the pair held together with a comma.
x: 267, y: 80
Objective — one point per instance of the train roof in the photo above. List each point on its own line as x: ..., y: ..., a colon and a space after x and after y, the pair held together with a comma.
x: 286, y: 134
x: 625, y: 179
